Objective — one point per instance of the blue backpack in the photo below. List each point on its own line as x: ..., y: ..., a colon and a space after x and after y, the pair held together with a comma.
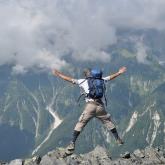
x: 96, y: 84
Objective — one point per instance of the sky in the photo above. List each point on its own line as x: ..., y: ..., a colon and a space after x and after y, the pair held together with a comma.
x: 40, y: 33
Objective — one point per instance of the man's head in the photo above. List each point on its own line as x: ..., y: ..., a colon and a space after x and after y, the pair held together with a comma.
x: 87, y: 72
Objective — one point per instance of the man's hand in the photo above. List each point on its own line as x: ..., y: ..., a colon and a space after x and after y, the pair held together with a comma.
x: 122, y: 70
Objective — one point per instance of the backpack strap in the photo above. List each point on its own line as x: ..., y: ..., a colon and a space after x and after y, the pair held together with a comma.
x: 80, y: 97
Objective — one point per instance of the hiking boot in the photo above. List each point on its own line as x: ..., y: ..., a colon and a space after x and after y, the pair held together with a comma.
x: 71, y: 147
x: 119, y: 141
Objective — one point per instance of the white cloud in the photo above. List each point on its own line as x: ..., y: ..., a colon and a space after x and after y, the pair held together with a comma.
x: 39, y: 33
x: 19, y: 69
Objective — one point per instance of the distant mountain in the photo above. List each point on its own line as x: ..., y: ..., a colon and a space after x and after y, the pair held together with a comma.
x: 39, y: 110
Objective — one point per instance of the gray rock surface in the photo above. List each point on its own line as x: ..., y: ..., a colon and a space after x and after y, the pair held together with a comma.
x: 99, y: 156
x: 139, y: 153
x: 16, y: 162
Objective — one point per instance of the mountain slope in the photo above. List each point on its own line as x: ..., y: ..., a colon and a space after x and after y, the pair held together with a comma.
x: 41, y: 110
x: 146, y: 126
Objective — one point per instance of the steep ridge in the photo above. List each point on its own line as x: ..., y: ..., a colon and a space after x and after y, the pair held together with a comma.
x: 99, y: 156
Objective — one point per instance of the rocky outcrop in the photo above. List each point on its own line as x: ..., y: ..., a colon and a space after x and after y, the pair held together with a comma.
x: 99, y: 156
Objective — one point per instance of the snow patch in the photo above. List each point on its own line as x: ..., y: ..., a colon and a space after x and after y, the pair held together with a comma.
x: 35, y: 123
x: 148, y: 134
x: 132, y: 121
x: 129, y: 100
x: 148, y: 109
x: 6, y: 107
x: 107, y: 135
x: 156, y: 120
x: 42, y: 95
x: 161, y: 62
x: 21, y: 117
x: 57, y: 122
x: 37, y: 111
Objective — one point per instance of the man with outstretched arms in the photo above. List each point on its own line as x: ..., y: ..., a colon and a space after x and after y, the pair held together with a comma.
x: 93, y: 87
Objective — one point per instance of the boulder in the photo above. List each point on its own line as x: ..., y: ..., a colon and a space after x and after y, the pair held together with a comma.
x: 16, y: 162
x: 139, y: 153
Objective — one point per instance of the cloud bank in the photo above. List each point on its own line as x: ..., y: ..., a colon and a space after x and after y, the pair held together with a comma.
x: 41, y: 33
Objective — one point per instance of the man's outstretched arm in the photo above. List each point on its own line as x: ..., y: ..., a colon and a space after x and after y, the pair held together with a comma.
x: 121, y: 71
x: 62, y: 76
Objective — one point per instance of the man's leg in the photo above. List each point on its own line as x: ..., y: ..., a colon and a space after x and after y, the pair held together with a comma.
x: 75, y: 136
x: 71, y: 146
x: 88, y: 113
x: 106, y: 120
x: 115, y: 134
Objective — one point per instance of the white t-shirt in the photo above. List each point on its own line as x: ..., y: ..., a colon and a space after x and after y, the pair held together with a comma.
x: 83, y: 84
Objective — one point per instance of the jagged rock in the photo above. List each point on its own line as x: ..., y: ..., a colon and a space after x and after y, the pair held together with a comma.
x: 52, y: 160
x: 54, y: 157
x: 16, y: 162
x: 99, y: 156
x: 154, y: 155
x: 164, y: 154
x: 139, y: 153
x: 33, y: 161
x: 3, y: 163
x: 126, y: 155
